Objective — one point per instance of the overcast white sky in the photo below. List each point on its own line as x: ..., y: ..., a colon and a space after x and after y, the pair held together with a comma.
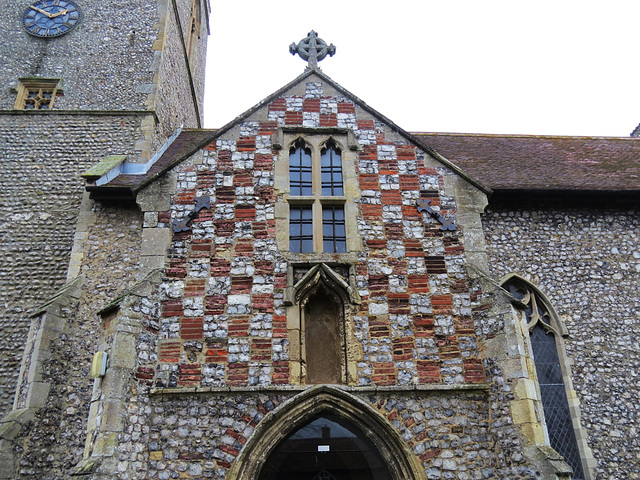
x: 559, y: 67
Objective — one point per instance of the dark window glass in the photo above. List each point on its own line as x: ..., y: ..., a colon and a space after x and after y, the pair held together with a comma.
x: 300, y: 229
x: 331, y: 167
x: 333, y: 229
x: 554, y: 399
x: 300, y: 180
x: 326, y: 448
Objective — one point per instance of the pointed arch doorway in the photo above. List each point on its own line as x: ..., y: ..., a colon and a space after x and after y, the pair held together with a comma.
x: 325, y: 433
x: 325, y: 448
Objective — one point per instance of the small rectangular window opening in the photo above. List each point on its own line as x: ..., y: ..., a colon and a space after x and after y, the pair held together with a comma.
x: 36, y: 94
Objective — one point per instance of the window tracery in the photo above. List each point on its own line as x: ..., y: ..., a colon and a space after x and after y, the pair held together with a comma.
x: 316, y: 198
x: 545, y: 338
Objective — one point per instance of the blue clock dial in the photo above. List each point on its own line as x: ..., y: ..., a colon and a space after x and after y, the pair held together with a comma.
x: 51, y: 18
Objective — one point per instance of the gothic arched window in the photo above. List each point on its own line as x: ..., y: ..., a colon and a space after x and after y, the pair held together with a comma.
x: 545, y: 335
x: 316, y: 198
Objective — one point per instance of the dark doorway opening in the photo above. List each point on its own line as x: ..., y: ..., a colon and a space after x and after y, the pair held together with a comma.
x: 325, y: 448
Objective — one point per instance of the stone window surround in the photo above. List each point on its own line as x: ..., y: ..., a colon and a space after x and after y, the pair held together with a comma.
x: 321, y: 275
x: 315, y: 139
x: 28, y: 85
x: 194, y: 30
x: 560, y: 332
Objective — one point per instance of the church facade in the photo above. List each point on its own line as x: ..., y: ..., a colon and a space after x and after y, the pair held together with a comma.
x: 309, y: 291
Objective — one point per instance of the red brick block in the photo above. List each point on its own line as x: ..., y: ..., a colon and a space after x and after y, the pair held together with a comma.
x: 371, y: 212
x: 369, y: 181
x: 245, y: 213
x: 263, y: 161
x: 278, y: 105
x: 406, y: 152
x: 192, y: 328
x: 474, y: 371
x: 169, y: 351
x: 366, y: 125
x: 409, y: 182
x: 237, y: 373
x: 215, y: 304
x: 413, y: 247
x: 189, y: 374
x: 311, y: 105
x: 245, y: 144
x: 262, y: 303
x: 428, y: 371
x: 394, y: 231
x: 399, y: 303
x: 241, y: 285
x: 403, y: 348
x: 184, y: 198
x: 369, y: 152
x: 388, y: 167
x: 346, y: 107
x: 293, y: 118
x: 216, y: 355
x: 194, y: 287
x: 225, y: 195
x: 268, y: 127
x: 328, y: 120
x: 391, y: 197
x: 172, y: 308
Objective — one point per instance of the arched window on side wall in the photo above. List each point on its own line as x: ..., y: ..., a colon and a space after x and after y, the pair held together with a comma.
x: 546, y: 338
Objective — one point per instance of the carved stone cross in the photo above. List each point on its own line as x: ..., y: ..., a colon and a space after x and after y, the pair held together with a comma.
x: 312, y: 49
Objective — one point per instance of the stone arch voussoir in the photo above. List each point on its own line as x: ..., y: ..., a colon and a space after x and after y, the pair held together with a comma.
x: 279, y: 423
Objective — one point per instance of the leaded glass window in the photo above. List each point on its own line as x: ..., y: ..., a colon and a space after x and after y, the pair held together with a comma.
x: 315, y: 177
x: 543, y: 336
x: 300, y: 169
x: 331, y: 162
x: 36, y: 95
x: 334, y: 236
x: 300, y: 229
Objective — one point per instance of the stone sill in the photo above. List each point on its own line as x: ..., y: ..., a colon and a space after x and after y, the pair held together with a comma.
x: 480, y: 387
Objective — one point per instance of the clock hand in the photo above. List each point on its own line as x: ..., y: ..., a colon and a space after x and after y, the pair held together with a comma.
x: 61, y: 12
x: 42, y: 11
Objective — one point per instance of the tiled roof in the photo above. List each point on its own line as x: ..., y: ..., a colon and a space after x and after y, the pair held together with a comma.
x: 518, y: 162
x: 126, y: 186
x: 507, y: 163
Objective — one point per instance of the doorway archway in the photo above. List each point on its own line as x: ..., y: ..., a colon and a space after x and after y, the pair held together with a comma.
x: 354, y: 425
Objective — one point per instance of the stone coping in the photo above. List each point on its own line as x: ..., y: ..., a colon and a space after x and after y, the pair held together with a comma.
x: 480, y: 387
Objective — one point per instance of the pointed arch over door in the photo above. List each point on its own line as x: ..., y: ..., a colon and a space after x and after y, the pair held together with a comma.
x: 351, y: 419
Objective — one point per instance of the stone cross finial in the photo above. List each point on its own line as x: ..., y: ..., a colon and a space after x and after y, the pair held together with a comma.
x: 312, y: 49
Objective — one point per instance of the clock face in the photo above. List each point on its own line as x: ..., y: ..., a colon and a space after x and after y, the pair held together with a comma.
x: 51, y: 18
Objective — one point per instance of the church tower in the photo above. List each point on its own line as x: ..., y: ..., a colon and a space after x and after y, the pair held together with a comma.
x: 81, y: 81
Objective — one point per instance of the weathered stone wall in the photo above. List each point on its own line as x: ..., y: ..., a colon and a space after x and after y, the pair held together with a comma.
x: 200, y: 435
x: 218, y: 346
x: 42, y: 157
x: 114, y: 61
x: 224, y: 318
x: 176, y: 75
x: 55, y: 440
x: 104, y: 63
x: 588, y: 263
